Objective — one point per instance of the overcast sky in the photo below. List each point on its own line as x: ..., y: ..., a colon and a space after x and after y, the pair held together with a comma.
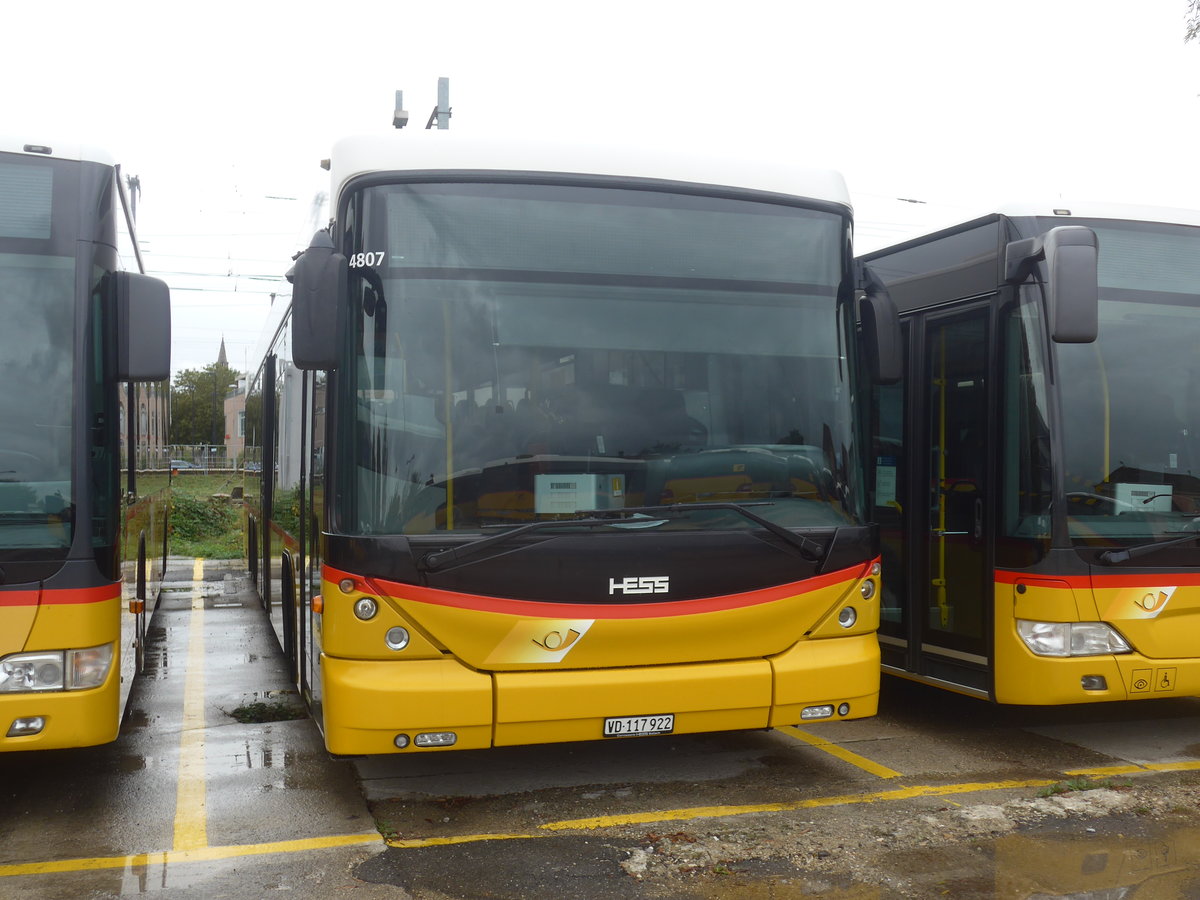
x: 224, y: 109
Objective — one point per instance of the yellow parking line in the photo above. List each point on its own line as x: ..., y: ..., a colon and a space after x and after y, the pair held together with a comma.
x: 200, y: 854
x: 1107, y: 770
x: 840, y: 752
x: 415, y: 843
x: 707, y: 812
x: 191, y: 825
x: 1189, y: 765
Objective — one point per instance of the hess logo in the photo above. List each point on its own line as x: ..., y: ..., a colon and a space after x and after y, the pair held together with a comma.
x: 651, y: 584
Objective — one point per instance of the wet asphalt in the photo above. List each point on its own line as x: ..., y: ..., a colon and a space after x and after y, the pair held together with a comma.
x: 190, y: 802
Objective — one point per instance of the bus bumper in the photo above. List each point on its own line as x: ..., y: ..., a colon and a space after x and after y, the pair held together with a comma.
x: 378, y: 706
x: 1045, y: 681
x: 72, y: 718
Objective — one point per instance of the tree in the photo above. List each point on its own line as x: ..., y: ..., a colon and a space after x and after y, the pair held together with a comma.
x: 198, y: 404
x: 1192, y: 20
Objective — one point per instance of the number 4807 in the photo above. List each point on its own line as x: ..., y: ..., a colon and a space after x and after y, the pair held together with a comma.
x: 358, y: 260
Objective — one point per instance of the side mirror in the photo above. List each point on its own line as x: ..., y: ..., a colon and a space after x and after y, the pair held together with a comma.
x: 1071, y: 255
x: 320, y: 287
x: 880, y: 330
x: 143, y: 327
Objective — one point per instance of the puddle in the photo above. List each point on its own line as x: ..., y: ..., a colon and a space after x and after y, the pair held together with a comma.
x: 262, y: 755
x: 156, y: 655
x: 132, y: 763
x: 136, y: 718
x: 1158, y: 866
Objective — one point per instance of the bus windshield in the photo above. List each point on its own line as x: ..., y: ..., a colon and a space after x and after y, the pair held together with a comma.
x: 521, y: 352
x: 37, y: 287
x: 1131, y: 401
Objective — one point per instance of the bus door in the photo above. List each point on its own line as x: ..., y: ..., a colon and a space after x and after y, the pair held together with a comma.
x: 952, y: 611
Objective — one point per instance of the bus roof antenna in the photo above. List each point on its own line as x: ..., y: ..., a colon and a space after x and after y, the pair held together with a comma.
x: 400, y: 114
x: 441, y: 112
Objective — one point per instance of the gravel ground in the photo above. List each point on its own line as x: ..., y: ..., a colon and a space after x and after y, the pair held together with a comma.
x: 930, y: 847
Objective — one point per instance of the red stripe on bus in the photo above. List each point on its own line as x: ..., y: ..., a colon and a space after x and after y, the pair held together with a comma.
x: 61, y: 596
x: 1173, y: 578
x: 655, y: 610
x: 288, y: 541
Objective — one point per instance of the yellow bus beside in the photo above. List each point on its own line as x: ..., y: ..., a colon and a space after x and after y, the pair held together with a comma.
x: 82, y: 545
x: 1037, y: 471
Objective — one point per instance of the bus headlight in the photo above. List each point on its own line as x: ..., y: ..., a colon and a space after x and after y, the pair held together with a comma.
x: 28, y: 672
x: 55, y: 670
x: 89, y: 667
x: 365, y: 608
x: 1071, y: 638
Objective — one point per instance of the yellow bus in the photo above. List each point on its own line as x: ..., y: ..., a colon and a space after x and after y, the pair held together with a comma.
x: 559, y: 444
x: 1037, y: 472
x: 82, y: 545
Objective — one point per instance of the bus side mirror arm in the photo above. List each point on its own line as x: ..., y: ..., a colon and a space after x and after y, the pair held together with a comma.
x: 1070, y: 254
x: 320, y: 286
x: 880, y: 329
x: 143, y: 327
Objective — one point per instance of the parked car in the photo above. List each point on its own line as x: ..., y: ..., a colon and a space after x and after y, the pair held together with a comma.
x: 183, y: 464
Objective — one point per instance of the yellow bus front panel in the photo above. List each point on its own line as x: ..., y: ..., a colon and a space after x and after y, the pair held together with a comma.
x: 538, y: 707
x: 1153, y: 618
x: 56, y: 621
x: 559, y: 676
x: 493, y: 634
x: 835, y: 672
x: 368, y: 703
x: 72, y: 718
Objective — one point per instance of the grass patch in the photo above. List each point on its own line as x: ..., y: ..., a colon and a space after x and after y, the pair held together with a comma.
x: 1083, y: 783
x: 267, y: 711
x: 387, y: 830
x: 203, y: 522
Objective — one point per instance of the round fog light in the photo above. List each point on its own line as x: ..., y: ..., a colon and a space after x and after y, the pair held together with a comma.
x: 867, y: 590
x: 396, y: 638
x: 844, y: 709
x: 365, y: 608
x: 848, y: 616
x: 401, y: 741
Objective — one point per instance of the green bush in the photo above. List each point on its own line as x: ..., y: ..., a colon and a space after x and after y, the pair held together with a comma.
x: 209, y: 527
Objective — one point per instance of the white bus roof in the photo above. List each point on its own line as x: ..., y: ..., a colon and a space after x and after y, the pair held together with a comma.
x: 58, y: 149
x: 1098, y: 210
x: 443, y: 151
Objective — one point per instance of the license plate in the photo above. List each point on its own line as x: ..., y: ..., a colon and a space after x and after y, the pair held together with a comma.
x: 634, y: 726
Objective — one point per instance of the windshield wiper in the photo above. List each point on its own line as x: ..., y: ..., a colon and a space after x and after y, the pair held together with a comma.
x: 616, y: 518
x: 809, y: 549
x: 439, y: 559
x: 1115, y: 557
